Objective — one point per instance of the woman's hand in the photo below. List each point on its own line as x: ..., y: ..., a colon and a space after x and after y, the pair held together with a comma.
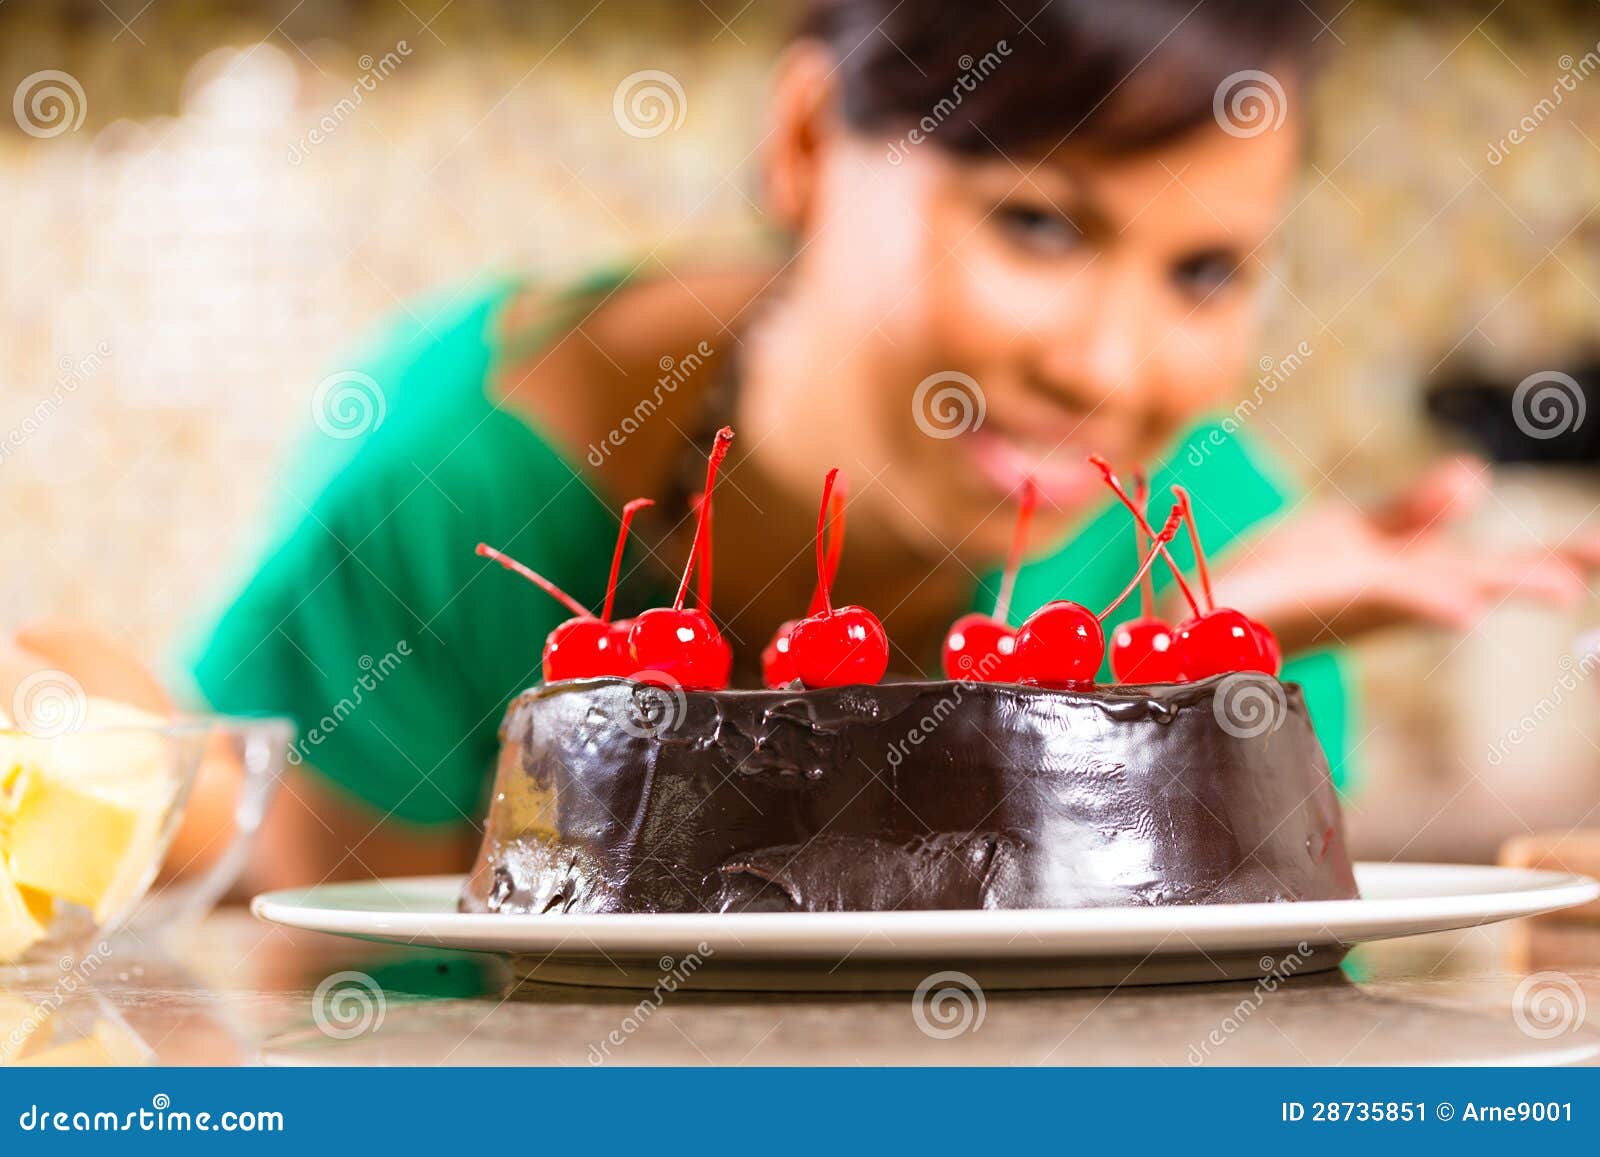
x: 99, y: 663
x: 1329, y: 572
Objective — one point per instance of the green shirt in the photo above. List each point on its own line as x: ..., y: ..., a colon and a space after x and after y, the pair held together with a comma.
x: 370, y: 621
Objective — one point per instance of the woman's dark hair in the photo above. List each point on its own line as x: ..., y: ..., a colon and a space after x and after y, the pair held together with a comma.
x: 1007, y: 75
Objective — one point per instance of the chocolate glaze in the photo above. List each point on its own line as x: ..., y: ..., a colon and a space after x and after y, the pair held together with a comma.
x: 615, y: 797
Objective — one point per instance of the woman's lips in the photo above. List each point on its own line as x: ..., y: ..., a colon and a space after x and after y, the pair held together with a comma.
x: 1062, y: 474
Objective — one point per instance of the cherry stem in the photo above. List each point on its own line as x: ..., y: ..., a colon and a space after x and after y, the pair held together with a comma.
x: 1147, y: 588
x: 537, y: 580
x: 719, y: 451
x: 1144, y: 524
x: 702, y: 583
x: 1182, y: 496
x: 824, y: 579
x: 628, y: 512
x: 835, y: 544
x: 1019, y: 538
x: 1167, y: 533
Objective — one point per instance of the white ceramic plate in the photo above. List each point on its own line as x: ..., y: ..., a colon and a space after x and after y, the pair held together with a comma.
x: 1053, y: 948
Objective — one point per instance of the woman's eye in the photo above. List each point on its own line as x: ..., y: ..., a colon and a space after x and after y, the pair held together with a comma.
x: 1042, y: 229
x: 1206, y: 273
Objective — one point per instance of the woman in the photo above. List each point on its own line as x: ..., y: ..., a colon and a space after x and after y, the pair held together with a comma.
x: 1051, y: 220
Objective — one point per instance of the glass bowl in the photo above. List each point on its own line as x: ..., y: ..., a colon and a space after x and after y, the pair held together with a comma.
x: 86, y: 817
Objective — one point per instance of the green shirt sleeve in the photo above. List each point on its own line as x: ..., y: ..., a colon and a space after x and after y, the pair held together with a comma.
x: 1237, y: 490
x: 371, y: 621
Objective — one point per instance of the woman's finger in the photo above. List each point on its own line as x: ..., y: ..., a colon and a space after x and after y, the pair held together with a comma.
x: 1582, y: 549
x: 1446, y: 491
x: 1535, y: 574
x: 104, y: 666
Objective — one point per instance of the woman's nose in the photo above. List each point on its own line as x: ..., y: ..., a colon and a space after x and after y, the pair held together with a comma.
x: 1098, y: 350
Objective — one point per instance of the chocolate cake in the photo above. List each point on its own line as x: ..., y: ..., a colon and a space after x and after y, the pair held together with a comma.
x: 616, y: 796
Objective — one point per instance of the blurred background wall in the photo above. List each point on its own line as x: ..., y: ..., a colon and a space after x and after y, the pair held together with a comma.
x: 215, y: 197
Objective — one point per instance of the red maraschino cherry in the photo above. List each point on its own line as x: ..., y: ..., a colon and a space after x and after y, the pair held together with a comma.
x: 1141, y: 648
x: 777, y: 667
x: 837, y: 646
x: 1062, y: 644
x: 1221, y: 640
x: 1142, y: 652
x: 677, y: 644
x: 1215, y: 641
x: 1059, y: 645
x: 583, y: 647
x: 982, y: 647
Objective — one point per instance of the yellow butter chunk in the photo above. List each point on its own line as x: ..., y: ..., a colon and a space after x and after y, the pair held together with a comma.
x: 68, y: 843
x: 19, y: 930
x: 40, y: 906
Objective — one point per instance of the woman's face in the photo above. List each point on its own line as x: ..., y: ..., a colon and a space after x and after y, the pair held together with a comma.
x: 990, y: 319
